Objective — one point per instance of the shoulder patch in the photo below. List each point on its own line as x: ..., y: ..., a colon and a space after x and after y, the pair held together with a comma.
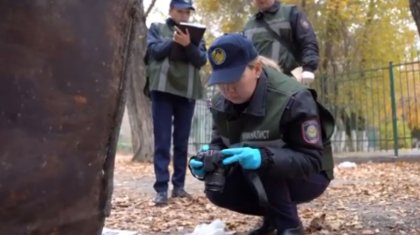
x: 311, y: 131
x: 304, y: 24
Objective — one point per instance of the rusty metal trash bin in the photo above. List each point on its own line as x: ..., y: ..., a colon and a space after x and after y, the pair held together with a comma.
x: 61, y: 101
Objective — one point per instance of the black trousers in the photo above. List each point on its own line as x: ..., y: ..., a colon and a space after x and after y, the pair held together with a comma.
x: 172, y: 117
x: 283, y: 195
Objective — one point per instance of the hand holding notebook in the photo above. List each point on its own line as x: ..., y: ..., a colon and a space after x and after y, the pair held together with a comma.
x: 195, y: 31
x: 181, y: 37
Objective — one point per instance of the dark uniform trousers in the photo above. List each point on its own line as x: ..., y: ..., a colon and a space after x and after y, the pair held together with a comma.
x: 168, y: 109
x: 283, y: 195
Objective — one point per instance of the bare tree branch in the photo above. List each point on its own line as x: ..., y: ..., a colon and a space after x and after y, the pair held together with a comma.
x: 138, y: 106
x: 149, y: 9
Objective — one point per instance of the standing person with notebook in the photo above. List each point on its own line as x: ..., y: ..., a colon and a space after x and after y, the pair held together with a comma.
x: 283, y: 33
x: 174, y: 86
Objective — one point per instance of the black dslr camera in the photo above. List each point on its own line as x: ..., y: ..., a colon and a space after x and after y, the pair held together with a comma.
x: 215, y: 171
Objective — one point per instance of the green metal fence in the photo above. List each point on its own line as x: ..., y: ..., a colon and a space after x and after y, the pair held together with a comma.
x: 375, y: 109
x: 201, y: 123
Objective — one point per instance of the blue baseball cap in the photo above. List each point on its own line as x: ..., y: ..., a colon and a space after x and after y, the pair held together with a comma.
x: 182, y: 4
x: 229, y: 55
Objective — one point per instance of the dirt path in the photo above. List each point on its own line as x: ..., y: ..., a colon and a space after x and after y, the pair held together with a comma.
x: 370, y: 199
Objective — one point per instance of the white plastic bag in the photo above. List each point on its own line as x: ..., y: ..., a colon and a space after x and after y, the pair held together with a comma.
x: 347, y: 165
x: 217, y: 227
x: 107, y: 231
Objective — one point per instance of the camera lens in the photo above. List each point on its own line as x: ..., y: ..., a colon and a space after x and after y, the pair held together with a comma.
x: 215, y: 182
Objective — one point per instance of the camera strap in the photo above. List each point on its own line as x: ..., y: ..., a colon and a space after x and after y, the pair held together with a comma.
x: 259, y: 188
x: 288, y: 45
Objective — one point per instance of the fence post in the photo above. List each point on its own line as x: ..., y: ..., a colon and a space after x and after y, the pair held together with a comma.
x: 394, y: 108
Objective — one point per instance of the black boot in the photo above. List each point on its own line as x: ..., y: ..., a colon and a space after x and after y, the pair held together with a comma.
x: 161, y: 199
x: 293, y: 231
x: 267, y: 228
x: 180, y: 192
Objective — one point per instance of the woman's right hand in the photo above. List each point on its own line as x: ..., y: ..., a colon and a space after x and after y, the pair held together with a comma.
x: 196, y: 167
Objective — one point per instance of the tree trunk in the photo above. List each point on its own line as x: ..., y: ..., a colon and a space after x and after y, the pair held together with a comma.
x: 324, y: 68
x: 415, y: 11
x: 138, y: 105
x: 62, y: 69
x: 331, y: 34
x: 303, y: 5
x: 366, y: 30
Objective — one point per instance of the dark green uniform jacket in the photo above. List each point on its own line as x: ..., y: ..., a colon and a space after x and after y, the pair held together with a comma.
x: 180, y: 78
x: 299, y: 46
x: 284, y: 120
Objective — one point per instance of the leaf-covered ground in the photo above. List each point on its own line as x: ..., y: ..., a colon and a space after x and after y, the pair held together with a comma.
x: 369, y: 199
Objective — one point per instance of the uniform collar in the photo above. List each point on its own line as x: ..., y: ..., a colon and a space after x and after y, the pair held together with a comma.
x: 257, y: 104
x: 170, y: 22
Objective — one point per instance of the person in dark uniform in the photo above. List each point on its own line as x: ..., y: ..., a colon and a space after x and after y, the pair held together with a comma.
x: 174, y: 87
x: 265, y: 123
x: 284, y: 34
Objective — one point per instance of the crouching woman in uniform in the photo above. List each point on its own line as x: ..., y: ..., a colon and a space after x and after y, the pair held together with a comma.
x: 272, y: 134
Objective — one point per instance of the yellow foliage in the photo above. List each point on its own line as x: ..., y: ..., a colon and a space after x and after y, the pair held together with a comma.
x: 357, y: 35
x: 208, y: 6
x: 360, y: 33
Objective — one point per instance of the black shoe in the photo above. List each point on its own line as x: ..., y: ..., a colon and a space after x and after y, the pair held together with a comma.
x: 267, y: 228
x: 180, y: 192
x: 293, y: 231
x: 161, y: 199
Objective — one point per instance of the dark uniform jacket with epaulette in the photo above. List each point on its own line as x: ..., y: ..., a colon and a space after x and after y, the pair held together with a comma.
x: 294, y: 28
x: 284, y: 120
x: 180, y: 78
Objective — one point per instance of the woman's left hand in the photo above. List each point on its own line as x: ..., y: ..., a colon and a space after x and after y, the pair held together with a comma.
x: 248, y: 158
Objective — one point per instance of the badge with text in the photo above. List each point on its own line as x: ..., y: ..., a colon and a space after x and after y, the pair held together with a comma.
x: 218, y: 56
x: 310, y: 131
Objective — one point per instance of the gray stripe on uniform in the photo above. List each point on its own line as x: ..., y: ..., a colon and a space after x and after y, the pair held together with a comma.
x: 190, y: 80
x: 275, y: 50
x: 163, y: 78
x: 282, y: 22
x: 249, y: 33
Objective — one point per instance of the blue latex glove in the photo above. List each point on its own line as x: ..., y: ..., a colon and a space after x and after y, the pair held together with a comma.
x: 197, y: 165
x: 248, y: 158
x: 204, y: 148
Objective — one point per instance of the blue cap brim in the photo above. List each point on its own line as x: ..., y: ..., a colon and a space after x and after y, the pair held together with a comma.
x: 183, y: 6
x: 227, y: 75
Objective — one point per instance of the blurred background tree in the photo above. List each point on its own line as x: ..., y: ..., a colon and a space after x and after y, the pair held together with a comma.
x: 354, y: 36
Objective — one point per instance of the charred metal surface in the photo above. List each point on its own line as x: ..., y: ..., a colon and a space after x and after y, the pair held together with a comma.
x: 61, y: 78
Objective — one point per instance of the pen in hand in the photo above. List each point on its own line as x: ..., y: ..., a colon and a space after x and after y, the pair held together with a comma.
x: 181, y: 38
